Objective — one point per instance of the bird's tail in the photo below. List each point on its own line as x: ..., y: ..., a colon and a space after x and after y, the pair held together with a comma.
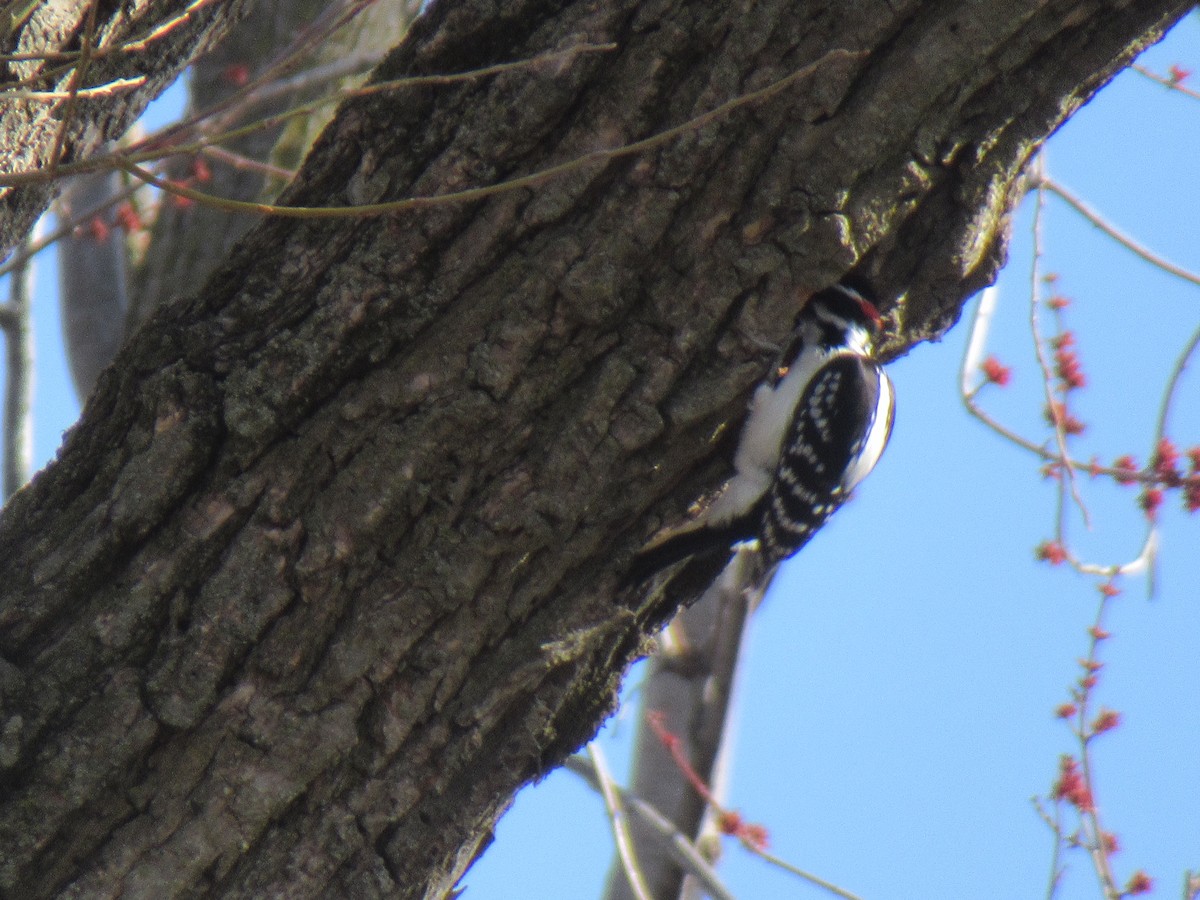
x: 698, y: 539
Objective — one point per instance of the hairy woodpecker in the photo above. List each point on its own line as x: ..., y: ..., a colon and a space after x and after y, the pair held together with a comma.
x: 815, y: 429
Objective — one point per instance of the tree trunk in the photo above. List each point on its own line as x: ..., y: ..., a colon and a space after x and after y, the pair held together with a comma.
x: 327, y: 570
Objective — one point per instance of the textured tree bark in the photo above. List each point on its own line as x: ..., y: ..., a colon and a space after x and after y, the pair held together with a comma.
x: 326, y: 571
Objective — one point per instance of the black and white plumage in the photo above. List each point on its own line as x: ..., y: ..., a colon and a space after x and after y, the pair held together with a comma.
x: 813, y: 432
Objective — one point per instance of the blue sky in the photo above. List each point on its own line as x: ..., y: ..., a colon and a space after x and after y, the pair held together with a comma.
x: 897, y: 708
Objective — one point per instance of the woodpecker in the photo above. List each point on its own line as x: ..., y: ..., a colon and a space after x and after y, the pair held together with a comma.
x: 815, y: 429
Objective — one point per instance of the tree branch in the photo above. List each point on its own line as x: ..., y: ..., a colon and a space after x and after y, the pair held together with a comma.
x: 141, y: 46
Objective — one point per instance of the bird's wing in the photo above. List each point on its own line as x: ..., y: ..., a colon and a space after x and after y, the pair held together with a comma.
x: 837, y: 434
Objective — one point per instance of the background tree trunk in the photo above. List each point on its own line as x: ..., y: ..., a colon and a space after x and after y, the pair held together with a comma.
x: 327, y: 570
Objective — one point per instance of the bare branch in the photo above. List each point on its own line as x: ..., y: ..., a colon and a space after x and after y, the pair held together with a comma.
x: 1117, y: 235
x: 534, y: 179
x: 683, y: 850
x: 616, y: 813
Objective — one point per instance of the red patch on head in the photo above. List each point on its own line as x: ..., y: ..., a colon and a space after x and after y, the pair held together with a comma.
x: 870, y: 311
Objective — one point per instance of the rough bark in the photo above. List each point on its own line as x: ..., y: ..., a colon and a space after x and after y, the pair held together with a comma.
x: 148, y: 39
x: 326, y: 571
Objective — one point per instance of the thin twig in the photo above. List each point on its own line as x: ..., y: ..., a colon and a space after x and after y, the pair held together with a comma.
x: 67, y: 225
x: 682, y: 850
x: 246, y: 164
x: 1055, y: 826
x: 541, y: 59
x: 131, y: 47
x: 207, y: 128
x: 1150, y: 544
x: 165, y: 28
x: 1055, y: 411
x: 1181, y: 364
x: 331, y: 72
x: 1120, y: 237
x: 76, y: 80
x: 1173, y: 84
x: 103, y: 90
x: 533, y: 179
x: 1146, y: 476
x: 691, y: 678
x: 976, y: 344
x: 1095, y: 843
x: 620, y: 827
x: 261, y: 87
x: 768, y: 857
